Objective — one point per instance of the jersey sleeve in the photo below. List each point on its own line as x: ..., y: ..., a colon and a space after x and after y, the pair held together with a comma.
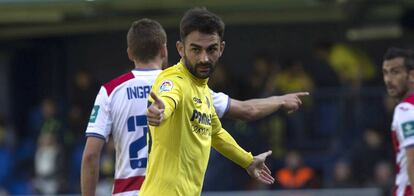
x: 224, y: 143
x: 405, y: 115
x: 221, y: 103
x: 100, y: 121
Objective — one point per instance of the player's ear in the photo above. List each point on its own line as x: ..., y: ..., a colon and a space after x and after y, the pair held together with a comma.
x: 180, y: 48
x: 130, y: 56
x: 164, y: 51
x: 222, y: 45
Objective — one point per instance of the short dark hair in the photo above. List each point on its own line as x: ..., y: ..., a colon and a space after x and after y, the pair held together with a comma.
x: 145, y: 38
x: 406, y: 54
x: 202, y: 20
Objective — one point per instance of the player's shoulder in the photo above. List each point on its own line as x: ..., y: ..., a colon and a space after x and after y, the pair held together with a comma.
x: 171, y: 70
x: 407, y: 104
x: 112, y: 84
x: 404, y: 107
x: 404, y: 111
x: 172, y: 73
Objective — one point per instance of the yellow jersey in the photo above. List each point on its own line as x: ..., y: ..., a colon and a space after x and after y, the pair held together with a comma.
x: 180, y: 146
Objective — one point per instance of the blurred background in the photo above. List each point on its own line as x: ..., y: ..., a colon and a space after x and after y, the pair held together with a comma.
x: 55, y: 54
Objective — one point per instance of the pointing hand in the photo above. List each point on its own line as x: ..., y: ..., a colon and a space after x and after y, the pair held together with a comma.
x: 155, y: 113
x: 292, y: 101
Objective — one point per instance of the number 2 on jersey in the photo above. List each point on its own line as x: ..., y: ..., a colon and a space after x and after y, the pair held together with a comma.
x: 134, y: 123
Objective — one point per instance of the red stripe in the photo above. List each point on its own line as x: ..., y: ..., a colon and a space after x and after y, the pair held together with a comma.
x: 110, y: 86
x: 409, y: 99
x: 396, y: 146
x: 128, y: 184
x: 408, y: 191
x: 395, y: 142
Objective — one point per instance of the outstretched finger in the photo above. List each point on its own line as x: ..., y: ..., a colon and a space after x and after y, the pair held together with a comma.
x: 267, y: 177
x: 266, y: 169
x: 298, y: 100
x: 300, y: 94
x: 157, y: 100
x: 266, y: 154
x: 264, y: 179
x: 155, y: 97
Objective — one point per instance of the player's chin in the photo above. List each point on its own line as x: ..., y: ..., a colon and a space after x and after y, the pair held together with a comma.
x: 392, y: 92
x: 203, y: 75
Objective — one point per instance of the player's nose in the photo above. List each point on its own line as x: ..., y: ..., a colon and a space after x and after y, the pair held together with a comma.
x: 204, y: 57
x: 387, y: 80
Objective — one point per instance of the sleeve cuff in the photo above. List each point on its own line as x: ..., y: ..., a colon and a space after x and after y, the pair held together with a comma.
x: 96, y: 135
x: 249, y: 160
x: 228, y: 106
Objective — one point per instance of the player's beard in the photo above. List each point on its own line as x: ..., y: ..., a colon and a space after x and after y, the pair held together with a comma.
x: 398, y: 91
x: 400, y: 94
x: 400, y: 88
x: 193, y: 68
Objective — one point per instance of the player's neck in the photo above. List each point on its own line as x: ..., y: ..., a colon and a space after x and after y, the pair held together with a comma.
x: 154, y: 64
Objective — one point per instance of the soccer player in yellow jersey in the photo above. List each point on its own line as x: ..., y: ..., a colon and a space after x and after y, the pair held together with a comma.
x: 180, y: 145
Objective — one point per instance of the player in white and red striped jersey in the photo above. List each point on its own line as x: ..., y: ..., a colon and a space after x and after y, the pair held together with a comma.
x: 398, y: 73
x: 119, y: 111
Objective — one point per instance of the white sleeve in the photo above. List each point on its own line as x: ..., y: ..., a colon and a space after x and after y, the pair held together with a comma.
x: 100, y: 120
x: 221, y: 103
x: 405, y: 114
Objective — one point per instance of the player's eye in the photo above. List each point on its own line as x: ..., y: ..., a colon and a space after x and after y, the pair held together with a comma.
x: 195, y: 50
x: 212, y: 49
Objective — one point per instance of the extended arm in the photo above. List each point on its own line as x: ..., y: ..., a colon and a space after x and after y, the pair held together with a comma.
x: 90, y: 165
x: 254, y: 109
x: 224, y: 143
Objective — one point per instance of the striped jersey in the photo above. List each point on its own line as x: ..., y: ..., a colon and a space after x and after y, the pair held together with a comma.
x: 119, y: 110
x: 402, y: 138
